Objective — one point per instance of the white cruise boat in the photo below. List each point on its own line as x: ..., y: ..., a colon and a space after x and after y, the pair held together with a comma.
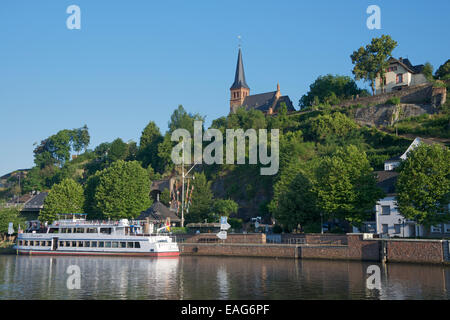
x: 74, y: 235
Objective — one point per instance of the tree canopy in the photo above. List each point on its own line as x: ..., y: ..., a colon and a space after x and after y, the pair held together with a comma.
x: 122, y: 190
x: 64, y: 197
x: 423, y: 186
x: 371, y: 61
x: 330, y: 89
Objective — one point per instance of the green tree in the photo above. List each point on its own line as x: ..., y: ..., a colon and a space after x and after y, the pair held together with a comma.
x: 182, y: 119
x: 330, y: 89
x: 64, y: 197
x: 202, y: 196
x: 148, y: 147
x: 55, y: 150
x: 226, y: 207
x: 122, y: 190
x: 346, y: 186
x: 428, y: 71
x: 8, y: 215
x: 423, y: 185
x: 443, y: 72
x: 371, y: 61
x: 298, y: 204
x: 118, y: 150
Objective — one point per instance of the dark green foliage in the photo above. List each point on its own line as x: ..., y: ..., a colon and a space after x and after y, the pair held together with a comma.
x: 423, y: 186
x: 202, y: 200
x: 443, y: 72
x: 225, y: 207
x: 8, y: 215
x: 330, y: 89
x: 393, y: 101
x: 148, y: 147
x: 346, y: 186
x: 165, y: 197
x: 55, y: 150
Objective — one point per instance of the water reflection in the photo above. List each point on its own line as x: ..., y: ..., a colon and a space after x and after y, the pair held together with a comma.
x: 23, y: 277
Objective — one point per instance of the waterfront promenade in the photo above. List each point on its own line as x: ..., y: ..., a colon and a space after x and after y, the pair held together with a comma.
x: 355, y: 246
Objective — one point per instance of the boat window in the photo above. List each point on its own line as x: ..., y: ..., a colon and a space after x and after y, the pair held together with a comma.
x: 53, y: 230
x: 26, y: 242
x: 49, y: 243
x: 91, y: 230
x: 115, y: 244
x: 80, y: 243
x: 80, y: 230
x: 101, y: 244
x: 130, y: 244
x: 94, y: 244
x: 67, y: 243
x: 108, y: 244
x: 20, y: 242
x: 137, y: 245
x: 31, y: 243
x: 69, y: 230
x: 105, y: 230
x: 61, y: 243
x: 74, y: 243
x: 123, y: 244
x: 87, y: 243
x: 43, y: 243
x: 36, y: 243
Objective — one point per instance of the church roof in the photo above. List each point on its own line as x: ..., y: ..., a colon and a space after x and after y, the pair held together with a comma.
x: 239, y: 78
x: 264, y: 101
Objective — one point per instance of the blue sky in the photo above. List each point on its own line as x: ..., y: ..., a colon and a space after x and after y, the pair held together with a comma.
x: 136, y: 61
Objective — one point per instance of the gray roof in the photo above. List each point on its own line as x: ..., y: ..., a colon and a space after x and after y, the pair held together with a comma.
x: 407, y: 64
x: 239, y: 78
x: 264, y: 101
x: 36, y: 203
x: 158, y: 212
x: 386, y: 180
x: 160, y: 185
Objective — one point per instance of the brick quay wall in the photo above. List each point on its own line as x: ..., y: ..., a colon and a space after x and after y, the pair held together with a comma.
x: 321, y: 247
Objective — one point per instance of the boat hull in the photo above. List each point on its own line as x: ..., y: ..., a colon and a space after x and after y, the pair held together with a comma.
x: 97, y: 253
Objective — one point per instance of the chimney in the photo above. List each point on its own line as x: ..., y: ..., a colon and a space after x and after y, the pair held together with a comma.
x: 278, y: 94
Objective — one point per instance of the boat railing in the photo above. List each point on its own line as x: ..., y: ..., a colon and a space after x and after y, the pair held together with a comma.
x: 85, y: 222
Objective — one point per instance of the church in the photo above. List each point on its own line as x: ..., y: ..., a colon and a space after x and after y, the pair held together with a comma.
x: 268, y: 103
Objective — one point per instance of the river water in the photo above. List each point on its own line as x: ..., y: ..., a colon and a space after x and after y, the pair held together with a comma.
x: 44, y: 277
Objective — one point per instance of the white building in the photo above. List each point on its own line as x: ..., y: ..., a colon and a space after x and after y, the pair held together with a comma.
x: 400, y: 74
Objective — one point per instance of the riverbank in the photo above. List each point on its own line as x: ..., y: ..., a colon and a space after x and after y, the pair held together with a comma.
x: 6, y: 247
x: 357, y: 247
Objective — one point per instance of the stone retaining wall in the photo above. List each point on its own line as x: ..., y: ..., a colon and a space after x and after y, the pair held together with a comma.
x: 357, y: 248
x: 421, y: 251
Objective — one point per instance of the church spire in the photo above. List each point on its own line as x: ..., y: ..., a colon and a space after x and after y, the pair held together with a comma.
x: 239, y: 78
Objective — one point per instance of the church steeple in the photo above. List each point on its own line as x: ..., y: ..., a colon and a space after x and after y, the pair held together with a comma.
x: 239, y: 89
x: 239, y: 78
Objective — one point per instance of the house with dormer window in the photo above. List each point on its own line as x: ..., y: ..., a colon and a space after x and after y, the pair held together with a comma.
x: 400, y: 74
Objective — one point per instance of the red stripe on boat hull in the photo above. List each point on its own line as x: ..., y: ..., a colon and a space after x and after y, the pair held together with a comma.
x: 127, y: 254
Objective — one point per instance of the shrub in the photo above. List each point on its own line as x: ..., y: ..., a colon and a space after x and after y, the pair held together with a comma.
x: 393, y: 101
